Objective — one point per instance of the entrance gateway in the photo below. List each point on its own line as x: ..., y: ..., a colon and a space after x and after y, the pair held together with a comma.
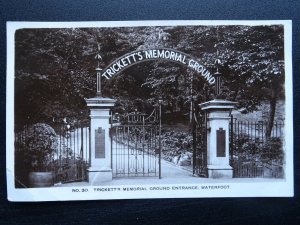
x: 131, y: 146
x: 136, y: 144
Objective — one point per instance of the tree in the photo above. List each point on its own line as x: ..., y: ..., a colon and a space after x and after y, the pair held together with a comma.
x: 258, y: 64
x: 55, y: 68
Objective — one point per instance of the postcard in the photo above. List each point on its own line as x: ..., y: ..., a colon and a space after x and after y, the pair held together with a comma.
x: 149, y: 109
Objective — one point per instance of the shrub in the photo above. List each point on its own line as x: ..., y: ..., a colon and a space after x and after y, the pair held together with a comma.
x: 175, y: 143
x: 39, y: 145
x: 247, y: 149
x: 272, y: 149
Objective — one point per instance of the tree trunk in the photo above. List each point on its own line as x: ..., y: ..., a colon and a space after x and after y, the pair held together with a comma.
x: 273, y: 100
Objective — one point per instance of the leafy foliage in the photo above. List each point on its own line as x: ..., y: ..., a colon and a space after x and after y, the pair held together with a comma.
x: 175, y: 143
x: 55, y: 68
x: 39, y: 145
x: 249, y: 150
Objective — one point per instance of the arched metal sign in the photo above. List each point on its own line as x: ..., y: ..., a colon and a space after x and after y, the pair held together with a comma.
x: 139, y: 56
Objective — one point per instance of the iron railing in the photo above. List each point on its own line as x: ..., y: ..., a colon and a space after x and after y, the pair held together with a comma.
x: 252, y: 152
x: 68, y: 162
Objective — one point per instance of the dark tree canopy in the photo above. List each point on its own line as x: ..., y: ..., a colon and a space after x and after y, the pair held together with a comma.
x: 55, y: 68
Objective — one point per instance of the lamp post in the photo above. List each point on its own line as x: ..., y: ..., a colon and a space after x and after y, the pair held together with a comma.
x: 218, y: 83
x: 218, y: 78
x: 98, y: 73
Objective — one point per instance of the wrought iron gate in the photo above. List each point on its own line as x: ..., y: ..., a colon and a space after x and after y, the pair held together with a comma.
x: 136, y: 144
x: 200, y: 144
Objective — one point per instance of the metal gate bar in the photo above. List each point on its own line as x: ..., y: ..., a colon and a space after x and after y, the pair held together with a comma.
x: 135, y: 145
x: 200, y: 145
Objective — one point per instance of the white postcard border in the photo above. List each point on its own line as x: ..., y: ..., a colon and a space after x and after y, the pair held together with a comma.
x: 236, y: 187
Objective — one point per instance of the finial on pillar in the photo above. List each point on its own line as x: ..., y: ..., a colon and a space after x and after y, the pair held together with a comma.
x: 98, y: 72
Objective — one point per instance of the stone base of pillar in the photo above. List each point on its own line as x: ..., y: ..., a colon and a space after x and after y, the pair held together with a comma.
x: 96, y: 176
x: 219, y: 171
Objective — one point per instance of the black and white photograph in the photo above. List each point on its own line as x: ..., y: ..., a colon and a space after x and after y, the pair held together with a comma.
x: 149, y: 109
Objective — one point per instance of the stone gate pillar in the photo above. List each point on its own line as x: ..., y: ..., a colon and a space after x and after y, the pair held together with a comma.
x: 100, y: 169
x: 218, y: 115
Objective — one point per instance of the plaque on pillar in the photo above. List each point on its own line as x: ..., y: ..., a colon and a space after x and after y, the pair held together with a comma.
x: 221, y: 143
x: 99, y: 143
